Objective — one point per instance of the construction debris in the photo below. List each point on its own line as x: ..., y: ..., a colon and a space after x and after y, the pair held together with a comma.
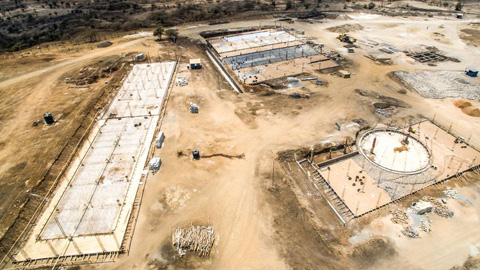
x: 454, y: 194
x: 440, y: 208
x: 182, y: 81
x: 197, y: 239
x: 410, y: 233
x: 426, y: 225
x: 399, y: 217
x: 451, y: 193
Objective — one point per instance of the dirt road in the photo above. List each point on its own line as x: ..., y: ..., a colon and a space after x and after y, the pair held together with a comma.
x: 255, y: 230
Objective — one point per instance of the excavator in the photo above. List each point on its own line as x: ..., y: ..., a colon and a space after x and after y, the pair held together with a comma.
x: 346, y: 38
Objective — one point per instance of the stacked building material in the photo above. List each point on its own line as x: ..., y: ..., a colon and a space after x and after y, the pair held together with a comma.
x: 197, y: 239
x: 399, y: 217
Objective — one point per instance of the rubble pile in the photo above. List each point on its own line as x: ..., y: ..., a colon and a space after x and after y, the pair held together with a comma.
x: 440, y: 208
x: 399, y: 217
x: 451, y: 193
x: 426, y: 225
x: 410, y: 233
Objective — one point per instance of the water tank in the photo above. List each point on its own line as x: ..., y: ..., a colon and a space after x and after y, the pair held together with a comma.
x: 48, y: 118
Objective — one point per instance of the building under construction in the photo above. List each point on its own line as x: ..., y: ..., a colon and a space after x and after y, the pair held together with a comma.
x: 257, y: 56
x: 91, y: 213
x: 388, y: 164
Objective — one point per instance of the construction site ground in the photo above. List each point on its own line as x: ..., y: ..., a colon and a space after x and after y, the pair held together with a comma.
x: 264, y: 211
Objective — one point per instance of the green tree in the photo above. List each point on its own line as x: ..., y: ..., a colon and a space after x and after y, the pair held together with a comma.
x: 289, y: 5
x: 458, y: 6
x: 371, y: 5
x: 158, y: 32
x: 171, y: 33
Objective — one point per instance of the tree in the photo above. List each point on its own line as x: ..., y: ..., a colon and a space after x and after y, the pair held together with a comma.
x: 371, y: 5
x: 307, y: 5
x: 458, y: 6
x: 91, y: 35
x: 158, y: 32
x: 172, y: 33
x: 289, y: 5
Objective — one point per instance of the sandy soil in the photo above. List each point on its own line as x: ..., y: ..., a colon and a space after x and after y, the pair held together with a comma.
x: 261, y: 227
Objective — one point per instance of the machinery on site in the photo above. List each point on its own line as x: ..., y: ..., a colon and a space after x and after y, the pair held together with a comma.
x: 346, y: 38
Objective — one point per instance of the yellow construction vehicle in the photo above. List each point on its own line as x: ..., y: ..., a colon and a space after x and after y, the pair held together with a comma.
x: 346, y: 38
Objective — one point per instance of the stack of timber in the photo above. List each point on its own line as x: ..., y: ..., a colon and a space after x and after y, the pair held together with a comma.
x: 197, y: 239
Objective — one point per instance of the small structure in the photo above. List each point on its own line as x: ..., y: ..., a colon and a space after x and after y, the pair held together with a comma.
x: 193, y: 107
x: 344, y: 74
x: 459, y: 16
x: 196, y: 154
x: 421, y: 207
x: 154, y: 164
x: 195, y: 64
x: 139, y: 57
x: 300, y: 31
x: 471, y: 71
x: 48, y: 118
x: 159, y: 140
x: 351, y: 50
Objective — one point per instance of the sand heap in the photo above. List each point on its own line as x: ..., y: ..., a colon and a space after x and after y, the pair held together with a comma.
x: 345, y: 28
x: 467, y: 108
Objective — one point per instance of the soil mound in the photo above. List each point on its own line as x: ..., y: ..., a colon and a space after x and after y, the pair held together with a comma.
x: 462, y: 104
x: 471, y: 111
x: 345, y: 28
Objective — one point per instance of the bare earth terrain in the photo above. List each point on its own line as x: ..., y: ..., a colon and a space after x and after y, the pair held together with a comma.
x: 264, y: 212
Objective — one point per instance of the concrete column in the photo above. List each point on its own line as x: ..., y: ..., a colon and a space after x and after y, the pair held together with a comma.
x: 100, y: 243
x: 76, y: 246
x: 116, y: 240
x: 24, y: 254
x: 55, y: 253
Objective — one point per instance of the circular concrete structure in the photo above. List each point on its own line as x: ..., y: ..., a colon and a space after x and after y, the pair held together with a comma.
x: 391, y: 151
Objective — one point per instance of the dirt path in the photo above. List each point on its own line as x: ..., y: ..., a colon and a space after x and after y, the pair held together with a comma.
x: 230, y: 194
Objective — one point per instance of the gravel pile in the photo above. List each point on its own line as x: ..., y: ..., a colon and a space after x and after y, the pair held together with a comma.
x: 441, y: 84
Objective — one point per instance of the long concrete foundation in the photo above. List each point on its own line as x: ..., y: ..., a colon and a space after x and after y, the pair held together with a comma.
x: 89, y: 213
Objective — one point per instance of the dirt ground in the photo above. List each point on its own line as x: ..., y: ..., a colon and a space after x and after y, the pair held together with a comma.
x: 265, y: 216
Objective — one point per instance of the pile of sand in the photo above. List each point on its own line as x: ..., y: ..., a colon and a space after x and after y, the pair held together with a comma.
x: 462, y: 103
x: 472, y: 111
x: 467, y: 108
x: 345, y: 28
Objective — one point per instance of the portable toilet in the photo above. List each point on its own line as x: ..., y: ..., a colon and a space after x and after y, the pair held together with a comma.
x: 159, y: 140
x: 196, y: 154
x: 154, y: 164
x: 471, y: 71
x: 193, y: 108
x: 195, y: 64
x: 48, y: 118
